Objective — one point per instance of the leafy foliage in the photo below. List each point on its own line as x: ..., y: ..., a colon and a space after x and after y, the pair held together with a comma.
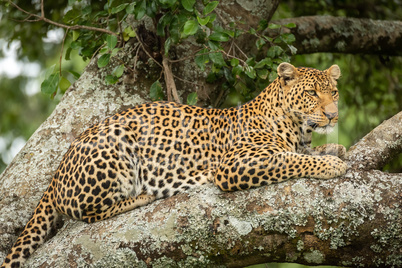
x: 175, y: 21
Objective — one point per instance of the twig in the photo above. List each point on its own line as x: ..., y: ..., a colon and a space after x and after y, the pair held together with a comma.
x: 230, y: 56
x: 241, y: 51
x: 189, y: 57
x: 170, y: 84
x: 62, y: 48
x: 186, y: 81
x: 74, y: 27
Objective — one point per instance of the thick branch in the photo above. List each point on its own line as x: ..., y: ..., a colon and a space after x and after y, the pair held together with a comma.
x: 379, y: 146
x: 353, y: 221
x: 346, y: 35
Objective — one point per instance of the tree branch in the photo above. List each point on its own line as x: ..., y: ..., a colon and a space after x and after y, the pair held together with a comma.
x: 379, y: 146
x: 345, y: 35
x: 74, y: 27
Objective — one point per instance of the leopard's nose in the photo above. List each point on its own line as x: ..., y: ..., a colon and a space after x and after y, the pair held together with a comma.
x: 330, y: 116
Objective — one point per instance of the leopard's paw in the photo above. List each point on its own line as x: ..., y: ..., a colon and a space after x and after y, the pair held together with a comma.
x: 332, y: 167
x: 331, y: 149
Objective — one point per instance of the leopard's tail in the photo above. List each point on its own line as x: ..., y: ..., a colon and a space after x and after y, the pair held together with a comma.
x: 34, y: 233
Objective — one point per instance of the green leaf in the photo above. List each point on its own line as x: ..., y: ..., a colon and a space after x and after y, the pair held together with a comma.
x: 50, y: 84
x: 111, y: 41
x: 260, y: 43
x: 203, y: 21
x: 274, y: 51
x: 168, y: 3
x: 264, y: 62
x: 219, y: 36
x: 202, y: 59
x: 262, y: 73
x: 64, y: 84
x: 119, y: 8
x: 274, y: 26
x: 237, y: 70
x: 290, y: 25
x: 128, y: 33
x: 68, y: 52
x: 103, y: 50
x: 190, y: 28
x: 75, y: 45
x: 228, y: 75
x: 163, y: 22
x: 140, y: 9
x: 130, y: 8
x: 174, y: 28
x: 214, y: 45
x: 156, y: 92
x: 262, y: 25
x: 293, y: 50
x: 50, y: 70
x: 111, y: 79
x: 168, y: 43
x: 118, y: 71
x: 272, y: 75
x: 210, y: 7
x: 217, y: 59
x: 192, y: 98
x: 288, y: 38
x: 75, y: 74
x: 76, y: 34
x: 103, y: 60
x: 234, y: 62
x: 114, y: 51
x: 188, y: 4
x: 250, y: 72
x: 71, y: 16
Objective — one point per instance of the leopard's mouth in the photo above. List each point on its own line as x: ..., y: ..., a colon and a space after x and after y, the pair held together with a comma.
x: 321, y: 129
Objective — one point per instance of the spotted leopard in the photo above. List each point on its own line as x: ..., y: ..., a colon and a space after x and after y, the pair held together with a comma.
x: 159, y: 149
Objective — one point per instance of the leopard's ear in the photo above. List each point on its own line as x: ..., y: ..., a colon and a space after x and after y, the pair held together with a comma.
x: 334, y: 72
x: 287, y: 72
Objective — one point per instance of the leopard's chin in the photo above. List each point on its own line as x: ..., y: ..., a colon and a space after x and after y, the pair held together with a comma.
x: 324, y: 130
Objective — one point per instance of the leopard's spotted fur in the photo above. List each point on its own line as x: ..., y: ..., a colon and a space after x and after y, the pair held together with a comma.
x: 159, y: 149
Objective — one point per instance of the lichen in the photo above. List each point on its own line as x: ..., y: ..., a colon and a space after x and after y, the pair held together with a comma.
x: 314, y: 256
x: 300, y: 245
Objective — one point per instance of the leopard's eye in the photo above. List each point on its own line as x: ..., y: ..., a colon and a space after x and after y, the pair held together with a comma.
x: 311, y: 92
x: 334, y: 93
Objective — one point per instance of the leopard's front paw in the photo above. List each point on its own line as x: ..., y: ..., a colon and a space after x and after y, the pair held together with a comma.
x: 327, y: 167
x: 333, y: 167
x: 332, y: 149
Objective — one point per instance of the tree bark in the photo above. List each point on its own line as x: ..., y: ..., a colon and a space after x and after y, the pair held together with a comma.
x: 345, y: 35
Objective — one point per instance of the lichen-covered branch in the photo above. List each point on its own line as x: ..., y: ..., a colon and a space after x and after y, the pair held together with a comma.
x: 352, y: 221
x: 379, y: 146
x: 346, y: 35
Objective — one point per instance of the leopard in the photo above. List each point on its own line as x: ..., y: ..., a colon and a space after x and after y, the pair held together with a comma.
x: 159, y: 149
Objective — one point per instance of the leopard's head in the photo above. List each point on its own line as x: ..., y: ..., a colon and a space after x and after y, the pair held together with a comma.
x: 310, y: 96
